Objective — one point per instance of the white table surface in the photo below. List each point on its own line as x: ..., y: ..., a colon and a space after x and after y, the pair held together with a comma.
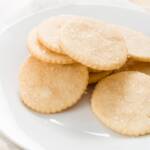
x: 12, y: 10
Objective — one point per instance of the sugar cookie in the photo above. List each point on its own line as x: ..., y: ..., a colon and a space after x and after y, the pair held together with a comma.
x: 49, y: 32
x: 94, y: 44
x: 93, y: 70
x: 138, y: 44
x: 144, y: 3
x: 128, y: 63
x: 139, y: 66
x: 49, y: 88
x: 96, y: 76
x: 122, y: 102
x: 42, y: 53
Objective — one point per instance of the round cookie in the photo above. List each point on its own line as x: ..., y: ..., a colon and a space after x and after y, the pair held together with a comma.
x: 49, y: 32
x: 93, y: 70
x: 122, y: 102
x: 144, y: 3
x: 94, y: 44
x: 40, y: 52
x: 138, y: 44
x: 139, y: 66
x: 128, y: 63
x: 50, y: 88
x: 96, y: 76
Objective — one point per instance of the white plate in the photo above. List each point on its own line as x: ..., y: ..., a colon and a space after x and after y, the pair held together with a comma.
x: 76, y: 128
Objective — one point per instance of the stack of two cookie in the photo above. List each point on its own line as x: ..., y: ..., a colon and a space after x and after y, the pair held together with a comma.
x: 50, y: 81
x: 64, y: 49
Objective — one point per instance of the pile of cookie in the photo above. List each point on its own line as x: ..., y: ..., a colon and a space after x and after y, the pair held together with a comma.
x: 67, y: 53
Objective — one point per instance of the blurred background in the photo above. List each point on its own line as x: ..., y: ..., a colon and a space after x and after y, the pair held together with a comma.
x: 12, y: 10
